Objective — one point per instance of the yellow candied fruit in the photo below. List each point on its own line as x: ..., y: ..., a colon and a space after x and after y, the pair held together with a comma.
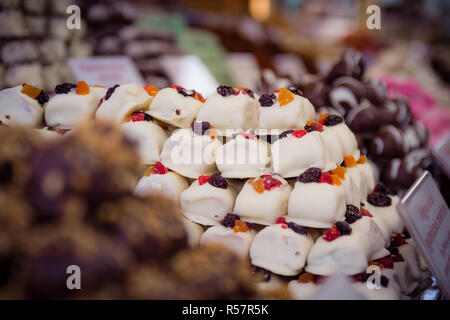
x: 82, y: 88
x: 149, y: 171
x: 340, y: 172
x: 31, y: 91
x: 310, y: 122
x: 349, y: 161
x: 322, y: 116
x: 362, y: 159
x: 241, y: 88
x: 258, y: 185
x: 285, y: 96
x: 251, y: 181
x: 151, y: 90
x: 240, y: 226
x: 306, y: 278
x: 335, y: 180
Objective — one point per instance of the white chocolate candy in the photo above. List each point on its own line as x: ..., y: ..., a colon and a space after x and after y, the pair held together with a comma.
x: 316, y: 205
x: 149, y: 138
x: 263, y: 208
x: 368, y: 226
x: 368, y: 176
x: 190, y: 154
x: 334, y: 144
x: 194, y: 232
x: 292, y: 155
x: 347, y: 254
x: 65, y: 110
x: 389, y: 214
x: 236, y: 242
x: 17, y: 108
x: 169, y: 185
x: 239, y: 111
x: 243, y: 157
x: 205, y: 204
x: 172, y: 107
x: 125, y: 100
x: 292, y: 115
x: 281, y: 250
x: 348, y: 139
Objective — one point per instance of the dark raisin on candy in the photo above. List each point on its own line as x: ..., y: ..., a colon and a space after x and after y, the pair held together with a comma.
x: 392, y: 248
x: 42, y: 97
x: 218, y: 181
x: 332, y: 120
x: 310, y: 128
x: 110, y: 91
x: 343, y: 164
x: 225, y: 91
x: 379, y: 199
x: 310, y: 175
x: 200, y: 127
x: 384, y: 281
x: 382, y: 188
x: 267, y: 100
x: 250, y: 93
x: 284, y: 134
x: 186, y: 93
x: 406, y: 234
x: 352, y: 214
x: 64, y: 88
x: 297, y: 228
x: 343, y: 227
x: 229, y: 219
x: 296, y: 91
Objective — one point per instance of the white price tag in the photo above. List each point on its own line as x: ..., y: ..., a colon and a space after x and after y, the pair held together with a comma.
x: 105, y: 71
x: 427, y: 217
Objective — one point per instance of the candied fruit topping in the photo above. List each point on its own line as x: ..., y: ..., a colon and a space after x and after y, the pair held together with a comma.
x: 365, y: 213
x: 258, y: 185
x: 379, y: 199
x: 362, y: 159
x: 110, y: 91
x: 151, y: 89
x: 340, y: 172
x: 270, y: 182
x: 326, y: 177
x: 284, y: 134
x: 82, y: 88
x: 306, y: 278
x: 344, y: 228
x: 203, y: 179
x: 225, y: 91
x: 31, y: 91
x: 64, y: 88
x: 352, y: 214
x: 160, y: 168
x: 248, y: 136
x: 285, y: 97
x: 244, y: 90
x: 382, y: 188
x: 280, y: 220
x: 299, y: 133
x: 387, y: 262
x: 309, y: 128
x: 218, y: 181
x: 199, y: 97
x: 240, y: 226
x: 140, y: 116
x: 332, y: 120
x: 349, y: 162
x: 42, y: 97
x: 267, y: 100
x: 200, y: 127
x: 336, y: 180
x: 296, y: 91
x: 284, y: 226
x: 322, y: 116
x: 399, y: 240
x: 310, y: 175
x: 229, y: 219
x: 397, y: 257
x: 313, y: 126
x: 332, y: 234
x: 297, y: 228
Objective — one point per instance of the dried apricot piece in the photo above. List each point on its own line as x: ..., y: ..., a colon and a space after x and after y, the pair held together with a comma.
x: 335, y: 180
x: 349, y: 161
x: 306, y: 278
x: 151, y: 90
x: 31, y: 91
x: 82, y: 88
x: 285, y: 96
x: 362, y: 159
x: 322, y: 116
x: 258, y: 185
x: 340, y: 172
x: 240, y: 226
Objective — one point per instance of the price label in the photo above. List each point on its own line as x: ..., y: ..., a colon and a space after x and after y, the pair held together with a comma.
x: 105, y: 71
x: 427, y: 217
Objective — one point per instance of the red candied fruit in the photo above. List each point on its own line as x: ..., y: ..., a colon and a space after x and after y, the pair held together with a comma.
x: 271, y: 183
x: 397, y: 257
x: 82, y: 88
x: 299, y: 133
x: 332, y: 234
x: 284, y: 226
x: 248, y: 136
x: 160, y: 168
x: 365, y: 212
x: 175, y: 86
x: 280, y: 220
x: 199, y: 97
x: 387, y: 262
x: 322, y: 116
x: 316, y: 125
x: 399, y: 240
x: 203, y: 179
x: 326, y: 177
